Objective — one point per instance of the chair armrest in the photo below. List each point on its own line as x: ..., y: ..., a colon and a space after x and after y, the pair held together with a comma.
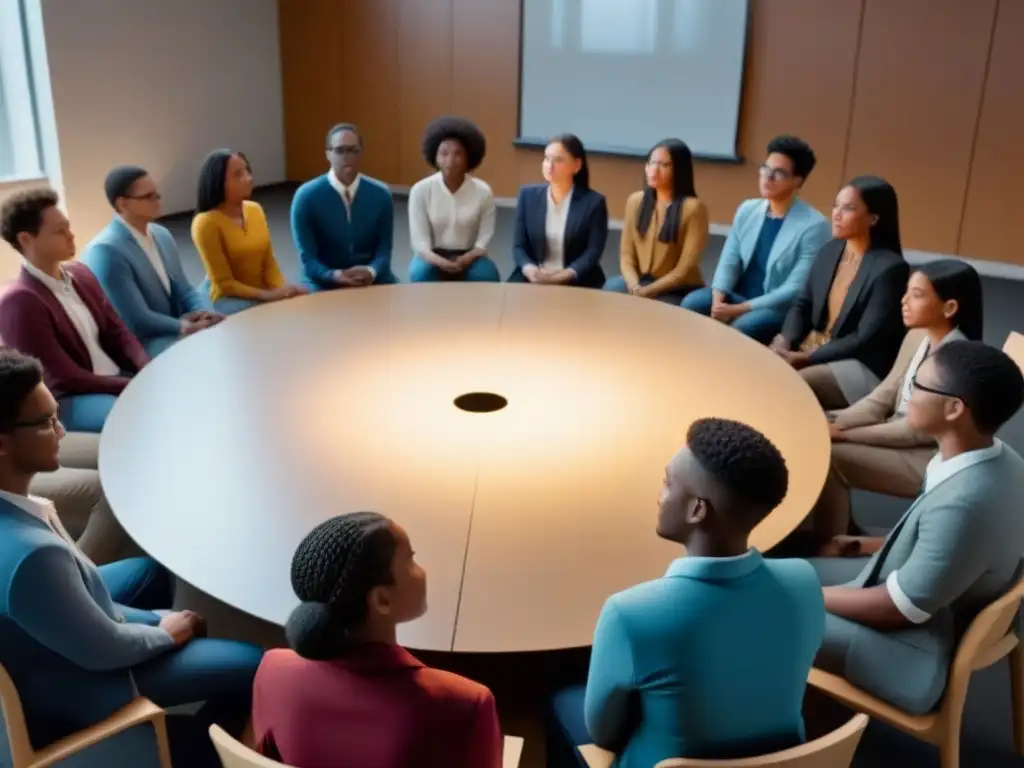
x: 595, y: 757
x: 137, y: 712
x: 511, y: 752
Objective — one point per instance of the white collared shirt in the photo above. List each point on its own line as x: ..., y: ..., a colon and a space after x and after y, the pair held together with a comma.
x: 148, y: 245
x: 439, y: 218
x: 341, y: 188
x: 554, y: 232
x: 81, y: 318
x: 44, y: 511
x: 938, y: 472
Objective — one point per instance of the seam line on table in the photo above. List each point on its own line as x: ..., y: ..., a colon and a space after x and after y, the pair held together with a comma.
x: 472, y: 507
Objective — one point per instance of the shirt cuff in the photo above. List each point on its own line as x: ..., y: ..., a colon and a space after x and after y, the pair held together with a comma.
x: 373, y: 272
x: 903, y: 604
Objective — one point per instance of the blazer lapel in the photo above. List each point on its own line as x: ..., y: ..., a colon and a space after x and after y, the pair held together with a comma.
x: 138, y: 257
x: 870, y: 573
x: 753, y: 233
x: 573, y: 221
x: 71, y: 338
x: 863, y: 273
x: 538, y: 212
x: 787, y: 232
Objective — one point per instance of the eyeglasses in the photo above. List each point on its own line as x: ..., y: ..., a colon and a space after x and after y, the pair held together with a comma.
x: 661, y: 166
x: 52, y: 421
x: 932, y: 390
x: 346, y: 150
x: 149, y: 197
x: 775, y: 174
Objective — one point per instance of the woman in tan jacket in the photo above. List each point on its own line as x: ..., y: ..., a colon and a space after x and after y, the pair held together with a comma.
x: 873, y: 448
x: 664, y: 230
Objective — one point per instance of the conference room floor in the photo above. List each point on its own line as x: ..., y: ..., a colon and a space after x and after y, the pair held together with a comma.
x: 987, y: 736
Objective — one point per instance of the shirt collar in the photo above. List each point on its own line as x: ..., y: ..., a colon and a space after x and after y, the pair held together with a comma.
x: 371, y: 657
x: 338, y: 185
x: 142, y: 238
x: 715, y: 568
x: 55, y: 285
x: 36, y: 506
x: 566, y: 201
x: 939, y: 470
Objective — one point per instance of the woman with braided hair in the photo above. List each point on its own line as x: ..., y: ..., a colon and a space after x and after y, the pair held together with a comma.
x: 346, y: 692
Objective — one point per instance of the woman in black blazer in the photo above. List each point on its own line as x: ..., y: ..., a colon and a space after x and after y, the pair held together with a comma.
x: 562, y: 225
x: 845, y: 329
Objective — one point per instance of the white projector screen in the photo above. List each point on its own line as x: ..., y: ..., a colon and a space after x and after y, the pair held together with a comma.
x: 625, y: 74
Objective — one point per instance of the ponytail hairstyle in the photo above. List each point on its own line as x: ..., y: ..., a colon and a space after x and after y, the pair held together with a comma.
x: 333, y: 572
x: 956, y: 280
x: 682, y: 188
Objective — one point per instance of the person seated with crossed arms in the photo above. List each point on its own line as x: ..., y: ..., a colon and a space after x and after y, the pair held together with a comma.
x: 896, y: 619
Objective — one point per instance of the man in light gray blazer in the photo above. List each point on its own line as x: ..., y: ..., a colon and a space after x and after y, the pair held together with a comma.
x: 136, y: 261
x: 769, y: 250
x: 894, y: 628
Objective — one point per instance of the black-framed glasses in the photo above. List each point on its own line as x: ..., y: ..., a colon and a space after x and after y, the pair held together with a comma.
x: 52, y: 421
x: 932, y: 390
x: 149, y: 197
x: 775, y: 174
x: 354, y: 149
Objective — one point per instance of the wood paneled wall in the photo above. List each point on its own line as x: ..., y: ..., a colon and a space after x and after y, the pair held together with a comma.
x: 926, y: 93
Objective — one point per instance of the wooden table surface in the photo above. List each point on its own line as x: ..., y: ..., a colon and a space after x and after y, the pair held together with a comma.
x: 227, y: 449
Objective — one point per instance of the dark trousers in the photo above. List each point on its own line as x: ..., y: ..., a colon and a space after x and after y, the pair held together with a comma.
x: 592, y: 279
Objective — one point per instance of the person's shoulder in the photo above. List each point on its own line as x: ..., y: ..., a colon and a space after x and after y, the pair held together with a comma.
x: 205, y: 220
x: 592, y: 195
x: 251, y: 207
x: 640, y: 598
x: 799, y: 582
x: 481, y: 186
x: 17, y: 295
x: 694, y: 206
x: 532, y: 190
x: 159, y: 231
x: 424, y: 185
x: 749, y: 206
x: 811, y: 215
x: 887, y: 259
x: 452, y: 687
x: 283, y: 663
x: 312, y: 187
x: 79, y: 270
x: 379, y: 187
x: 634, y: 200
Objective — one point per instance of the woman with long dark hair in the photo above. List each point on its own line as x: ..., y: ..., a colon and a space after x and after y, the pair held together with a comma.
x: 561, y: 225
x: 664, y: 230
x: 844, y: 331
x: 233, y: 239
x: 873, y: 447
x: 358, y: 579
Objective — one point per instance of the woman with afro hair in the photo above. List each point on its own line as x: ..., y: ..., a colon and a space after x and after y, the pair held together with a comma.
x: 346, y: 693
x: 451, y: 214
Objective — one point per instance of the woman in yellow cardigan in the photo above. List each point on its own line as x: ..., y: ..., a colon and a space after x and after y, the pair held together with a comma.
x: 664, y: 230
x: 233, y: 239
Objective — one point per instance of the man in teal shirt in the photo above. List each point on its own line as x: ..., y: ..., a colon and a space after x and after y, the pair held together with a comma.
x: 711, y: 660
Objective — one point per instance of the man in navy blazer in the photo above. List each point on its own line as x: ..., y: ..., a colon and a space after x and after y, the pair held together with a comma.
x: 80, y: 641
x: 136, y: 261
x: 770, y: 248
x: 581, y: 220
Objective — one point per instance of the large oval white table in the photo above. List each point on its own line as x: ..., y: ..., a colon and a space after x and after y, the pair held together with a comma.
x: 228, y: 448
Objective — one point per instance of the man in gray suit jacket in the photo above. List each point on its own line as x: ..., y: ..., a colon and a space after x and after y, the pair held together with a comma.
x: 136, y: 261
x: 894, y: 628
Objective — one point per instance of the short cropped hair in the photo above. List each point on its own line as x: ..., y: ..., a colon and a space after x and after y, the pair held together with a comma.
x: 463, y: 131
x: 338, y: 128
x: 798, y: 151
x: 23, y: 212
x: 19, y: 376
x: 745, y: 462
x: 988, y: 381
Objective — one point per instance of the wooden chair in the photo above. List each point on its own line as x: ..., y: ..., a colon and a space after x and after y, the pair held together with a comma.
x: 989, y: 638
x: 833, y: 750
x: 23, y: 755
x: 234, y: 754
x: 1014, y: 347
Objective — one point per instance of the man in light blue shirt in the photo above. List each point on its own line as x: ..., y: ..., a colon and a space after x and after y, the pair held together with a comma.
x: 711, y: 660
x: 769, y: 250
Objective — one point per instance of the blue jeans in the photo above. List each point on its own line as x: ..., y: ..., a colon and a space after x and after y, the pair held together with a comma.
x: 482, y: 270
x: 217, y: 672
x: 227, y: 305
x: 566, y: 728
x: 85, y: 413
x: 762, y: 325
x: 617, y: 284
x: 383, y: 278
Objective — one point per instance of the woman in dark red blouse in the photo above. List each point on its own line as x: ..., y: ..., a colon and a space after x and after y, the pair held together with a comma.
x: 347, y: 694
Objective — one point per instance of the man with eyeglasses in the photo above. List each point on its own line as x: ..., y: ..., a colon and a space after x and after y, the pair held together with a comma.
x: 342, y: 221
x: 895, y: 622
x: 137, y: 262
x: 769, y: 250
x: 82, y: 641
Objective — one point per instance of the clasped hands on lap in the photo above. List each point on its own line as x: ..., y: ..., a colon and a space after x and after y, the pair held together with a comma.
x: 193, y: 322
x: 541, y: 276
x: 353, y: 277
x: 183, y: 626
x: 455, y: 265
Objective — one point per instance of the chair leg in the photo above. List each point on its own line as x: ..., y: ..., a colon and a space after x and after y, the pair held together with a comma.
x: 949, y: 748
x: 1017, y: 697
x: 163, y: 744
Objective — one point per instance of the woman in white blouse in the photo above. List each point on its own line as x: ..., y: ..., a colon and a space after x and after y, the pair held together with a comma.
x: 451, y: 214
x: 873, y: 447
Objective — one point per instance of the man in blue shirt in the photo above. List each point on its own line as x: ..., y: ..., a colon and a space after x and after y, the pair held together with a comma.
x: 342, y: 221
x: 711, y: 660
x: 769, y: 250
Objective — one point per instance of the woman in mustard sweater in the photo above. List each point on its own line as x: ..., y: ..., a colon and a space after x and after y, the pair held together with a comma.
x: 664, y: 230
x: 233, y: 239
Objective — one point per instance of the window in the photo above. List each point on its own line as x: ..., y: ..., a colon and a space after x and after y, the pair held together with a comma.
x: 20, y: 147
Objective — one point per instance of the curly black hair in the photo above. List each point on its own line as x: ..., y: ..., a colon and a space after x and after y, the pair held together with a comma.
x: 798, y: 151
x: 23, y: 212
x: 744, y: 461
x: 19, y: 376
x: 333, y: 570
x: 463, y: 131
x: 988, y: 381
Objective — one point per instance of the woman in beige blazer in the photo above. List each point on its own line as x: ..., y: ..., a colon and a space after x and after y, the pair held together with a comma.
x: 873, y: 448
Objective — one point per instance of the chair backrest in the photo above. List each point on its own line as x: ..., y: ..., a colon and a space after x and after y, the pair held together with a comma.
x: 234, y: 754
x: 14, y: 721
x: 1014, y: 347
x: 833, y: 750
x: 989, y: 629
